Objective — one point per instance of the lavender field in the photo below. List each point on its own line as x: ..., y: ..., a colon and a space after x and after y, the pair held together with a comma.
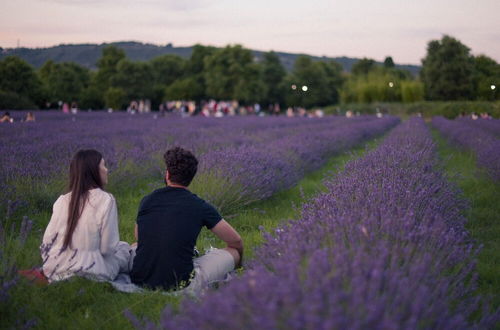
x: 382, y: 245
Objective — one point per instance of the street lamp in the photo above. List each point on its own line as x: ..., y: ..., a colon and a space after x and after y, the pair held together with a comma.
x: 294, y: 87
x: 391, y: 84
x: 304, y: 88
x: 493, y: 87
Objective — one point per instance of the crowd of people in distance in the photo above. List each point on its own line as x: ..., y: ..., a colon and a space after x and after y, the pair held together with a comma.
x: 7, y: 118
x: 475, y: 116
x: 213, y: 108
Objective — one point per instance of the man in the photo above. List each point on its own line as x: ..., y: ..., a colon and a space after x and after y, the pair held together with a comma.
x: 168, y: 224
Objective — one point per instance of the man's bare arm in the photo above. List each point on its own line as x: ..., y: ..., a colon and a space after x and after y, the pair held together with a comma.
x: 230, y: 236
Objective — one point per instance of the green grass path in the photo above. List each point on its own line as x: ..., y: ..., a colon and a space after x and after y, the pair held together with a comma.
x: 483, y: 215
x: 79, y: 303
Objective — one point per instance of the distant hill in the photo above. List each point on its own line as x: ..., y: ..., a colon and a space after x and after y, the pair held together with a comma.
x: 88, y: 54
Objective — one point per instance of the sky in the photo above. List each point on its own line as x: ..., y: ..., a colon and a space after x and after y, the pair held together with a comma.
x: 353, y: 28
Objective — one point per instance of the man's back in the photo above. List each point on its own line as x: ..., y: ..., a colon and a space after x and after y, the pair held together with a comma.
x: 169, y: 222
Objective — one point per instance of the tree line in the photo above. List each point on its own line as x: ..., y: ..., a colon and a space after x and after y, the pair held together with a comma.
x: 449, y: 72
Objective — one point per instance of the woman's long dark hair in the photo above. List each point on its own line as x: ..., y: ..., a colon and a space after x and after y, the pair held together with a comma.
x: 83, y: 175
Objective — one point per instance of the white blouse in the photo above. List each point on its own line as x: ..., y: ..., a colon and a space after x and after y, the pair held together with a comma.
x: 96, y: 250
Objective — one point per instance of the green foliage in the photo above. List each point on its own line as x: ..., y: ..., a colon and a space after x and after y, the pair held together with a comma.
x: 487, y: 73
x: 389, y: 63
x: 322, y: 79
x: 184, y: 89
x: 134, y: 78
x: 64, y: 81
x: 108, y: 66
x: 450, y: 109
x: 379, y: 85
x: 12, y: 101
x: 363, y: 67
x: 19, y: 78
x: 412, y: 91
x: 167, y: 69
x: 115, y: 98
x: 91, y: 97
x: 273, y: 74
x: 447, y: 70
x: 234, y: 72
x: 230, y: 73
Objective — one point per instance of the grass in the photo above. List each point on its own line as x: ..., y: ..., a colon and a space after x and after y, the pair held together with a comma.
x: 484, y: 213
x: 80, y: 303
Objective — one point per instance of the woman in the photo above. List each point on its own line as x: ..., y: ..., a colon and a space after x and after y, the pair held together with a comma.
x: 6, y: 118
x: 82, y: 236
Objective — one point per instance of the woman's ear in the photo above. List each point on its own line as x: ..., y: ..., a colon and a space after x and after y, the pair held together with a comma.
x: 167, y: 176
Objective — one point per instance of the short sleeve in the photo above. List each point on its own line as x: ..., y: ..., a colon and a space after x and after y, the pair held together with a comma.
x: 210, y: 216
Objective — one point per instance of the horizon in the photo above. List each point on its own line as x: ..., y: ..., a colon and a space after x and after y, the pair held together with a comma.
x: 209, y: 45
x: 354, y: 29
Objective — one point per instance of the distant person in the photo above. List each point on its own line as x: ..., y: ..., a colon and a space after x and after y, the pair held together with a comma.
x: 82, y: 236
x: 6, y: 118
x: 29, y: 117
x: 65, y: 107
x: 74, y: 108
x: 168, y: 224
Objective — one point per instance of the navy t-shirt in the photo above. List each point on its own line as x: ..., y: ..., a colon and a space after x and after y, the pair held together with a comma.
x: 169, y: 222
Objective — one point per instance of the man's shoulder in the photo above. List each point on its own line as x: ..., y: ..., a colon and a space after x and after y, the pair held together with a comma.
x: 152, y: 197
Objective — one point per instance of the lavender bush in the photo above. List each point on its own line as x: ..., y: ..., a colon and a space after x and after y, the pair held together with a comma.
x: 475, y: 137
x: 384, y: 248
x: 12, y: 240
x: 492, y: 126
x: 231, y: 150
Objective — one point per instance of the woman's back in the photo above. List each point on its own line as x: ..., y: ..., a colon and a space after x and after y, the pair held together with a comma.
x: 95, y: 250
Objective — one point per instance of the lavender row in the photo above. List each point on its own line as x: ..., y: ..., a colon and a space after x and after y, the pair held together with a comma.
x: 484, y: 144
x: 245, y: 152
x: 248, y: 173
x: 492, y: 126
x: 384, y: 248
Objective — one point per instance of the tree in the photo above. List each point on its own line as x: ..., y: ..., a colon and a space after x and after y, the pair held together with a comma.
x: 273, y: 74
x: 166, y: 69
x: 230, y: 73
x: 363, y: 67
x: 183, y: 89
x: 195, y: 69
x: 134, y: 78
x: 447, y: 70
x: 19, y: 78
x: 486, y: 74
x: 64, y: 81
x: 107, y: 66
x: 389, y: 63
x: 311, y: 81
x: 334, y: 81
x: 115, y: 98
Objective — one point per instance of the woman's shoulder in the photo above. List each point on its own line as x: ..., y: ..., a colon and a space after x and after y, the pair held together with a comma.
x: 62, y: 199
x: 101, y: 195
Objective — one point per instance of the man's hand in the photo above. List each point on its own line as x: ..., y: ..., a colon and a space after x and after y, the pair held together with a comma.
x: 226, y: 232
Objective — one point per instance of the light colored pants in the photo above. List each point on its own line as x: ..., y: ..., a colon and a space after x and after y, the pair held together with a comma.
x: 212, y: 267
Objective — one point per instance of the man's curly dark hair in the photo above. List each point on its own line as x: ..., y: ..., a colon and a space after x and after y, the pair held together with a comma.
x: 181, y: 164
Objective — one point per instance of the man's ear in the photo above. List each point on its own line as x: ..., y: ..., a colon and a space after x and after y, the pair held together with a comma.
x: 167, y: 175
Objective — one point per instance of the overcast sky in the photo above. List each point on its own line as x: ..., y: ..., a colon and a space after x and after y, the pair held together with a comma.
x: 354, y: 28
